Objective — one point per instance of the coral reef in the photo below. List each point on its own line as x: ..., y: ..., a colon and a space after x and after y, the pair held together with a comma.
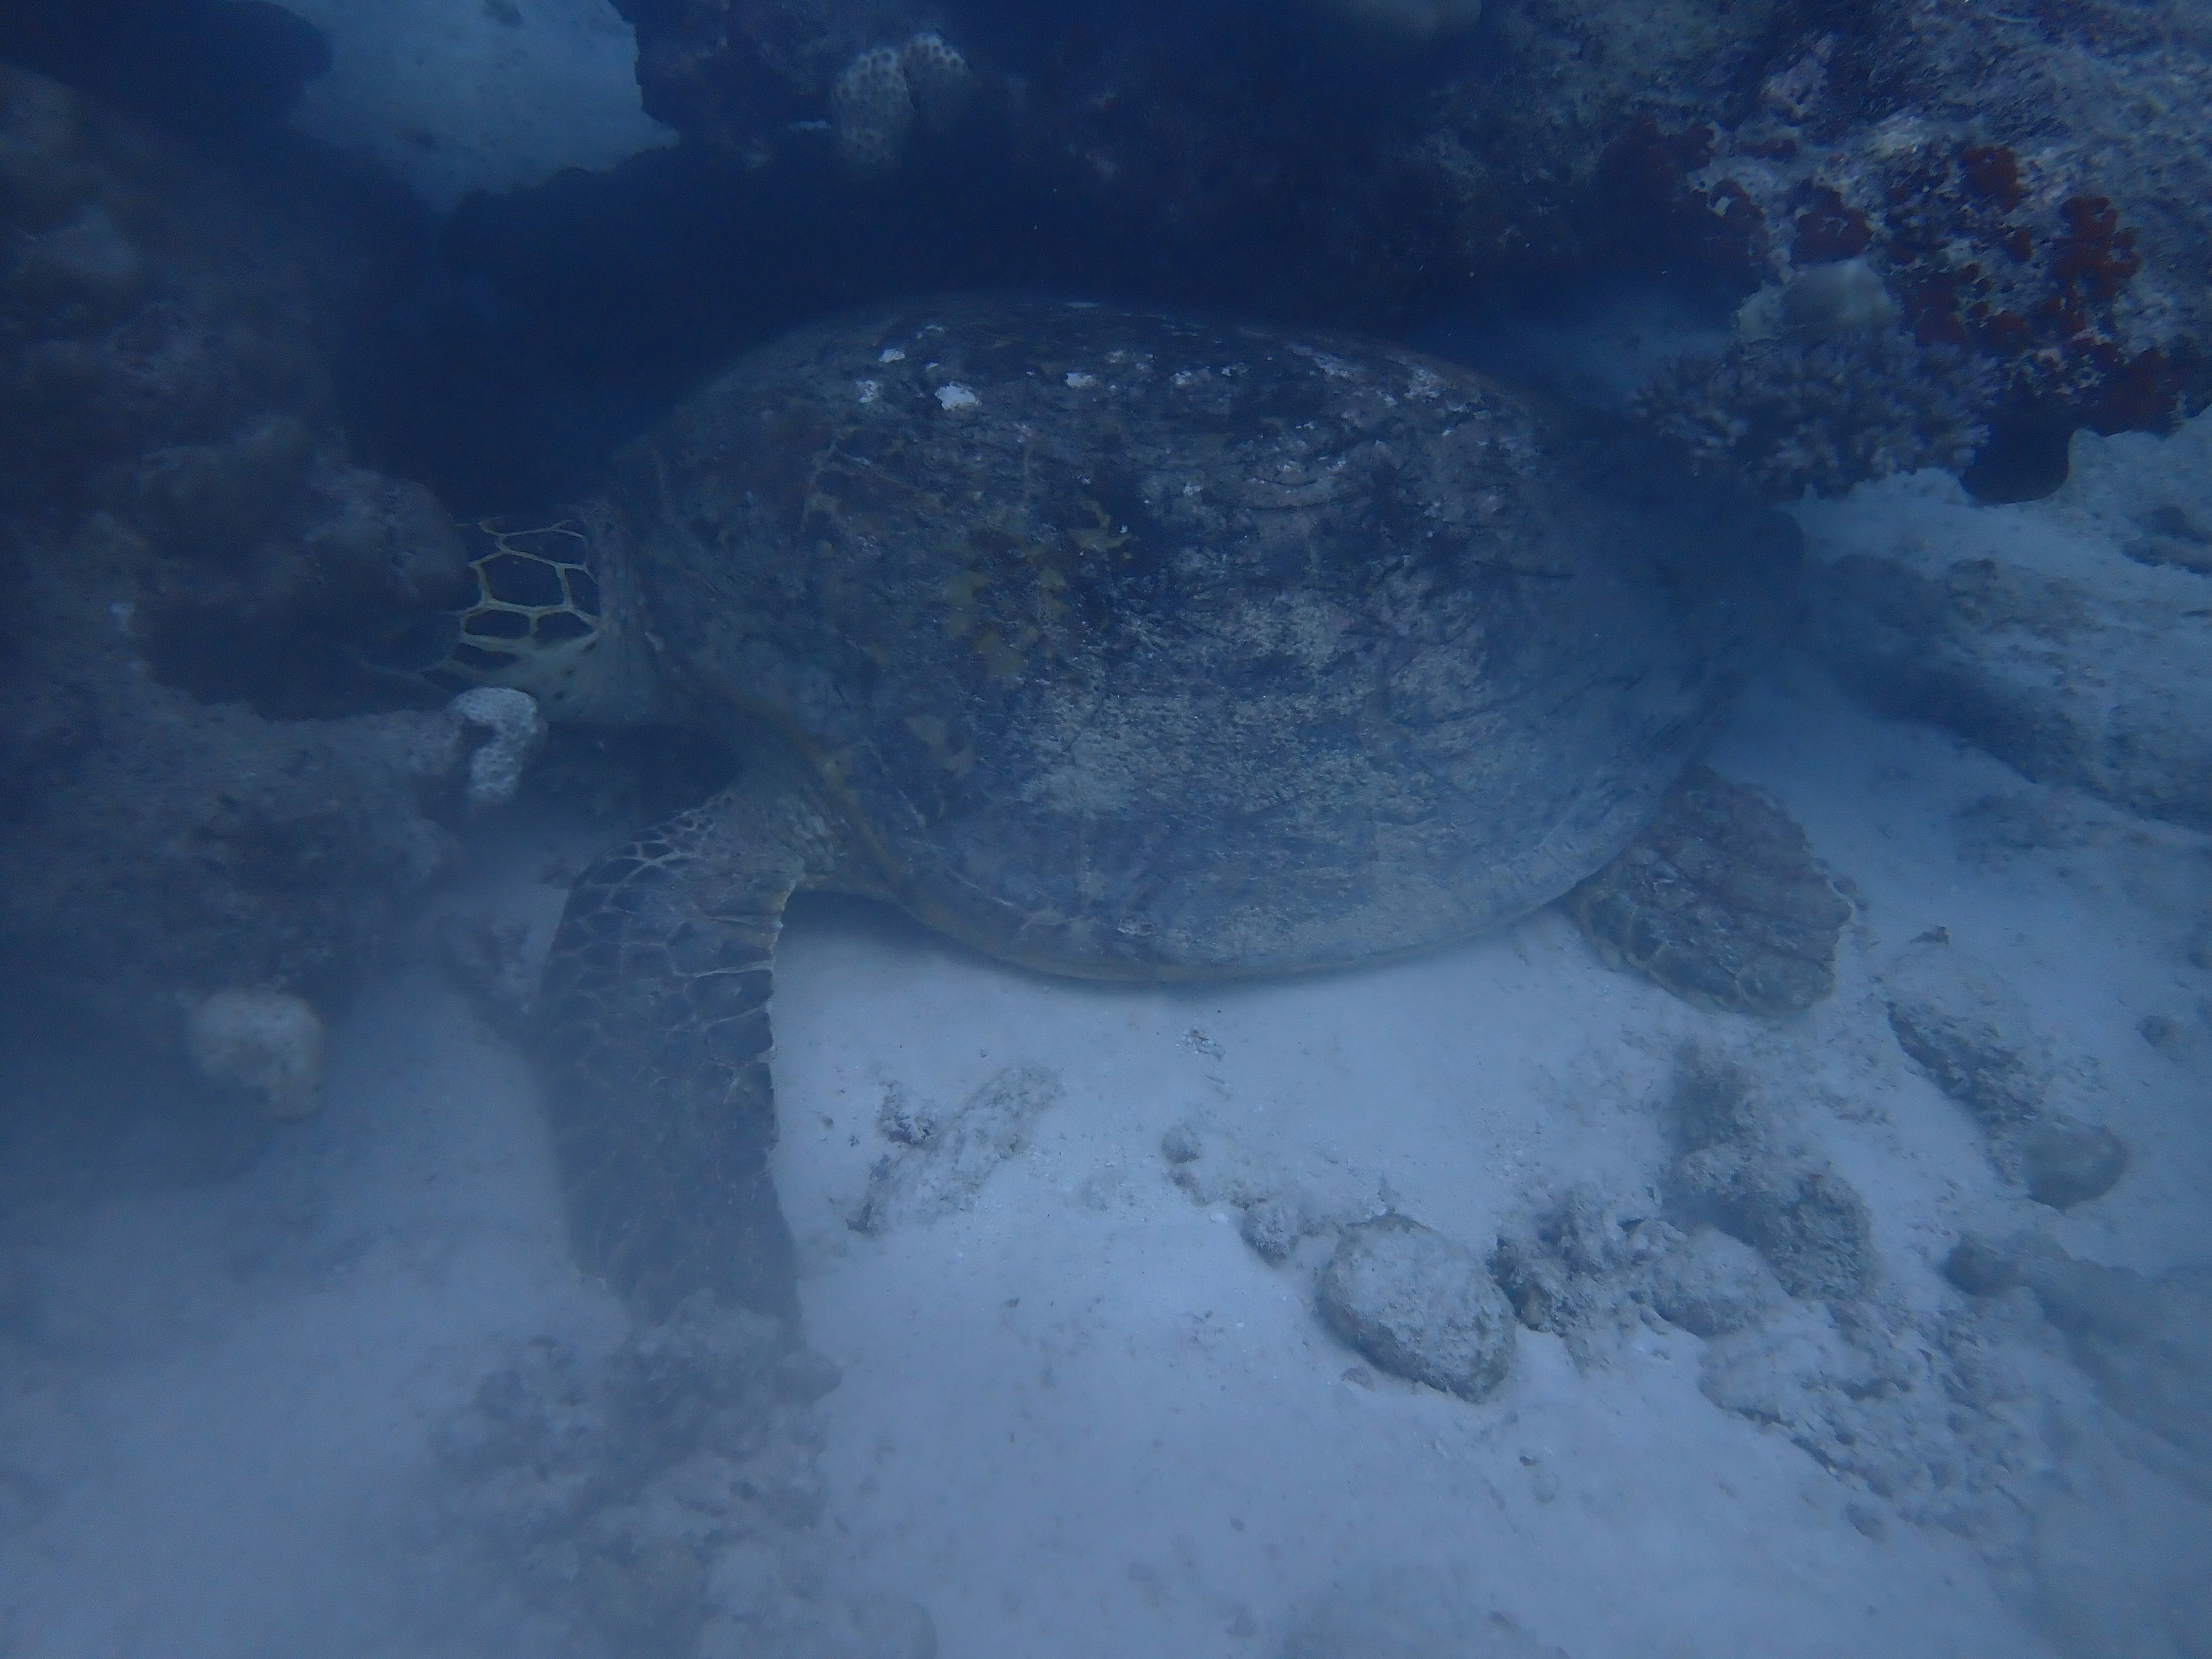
x: 184, y: 531
x: 1795, y: 415
x: 2025, y: 190
x: 735, y: 75
x: 2025, y: 185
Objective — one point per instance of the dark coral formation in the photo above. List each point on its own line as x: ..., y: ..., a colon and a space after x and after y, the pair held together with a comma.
x: 736, y: 74
x: 181, y: 526
x: 1721, y: 901
x: 2027, y: 181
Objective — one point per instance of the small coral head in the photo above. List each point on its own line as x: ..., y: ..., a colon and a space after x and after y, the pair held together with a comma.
x: 270, y: 1044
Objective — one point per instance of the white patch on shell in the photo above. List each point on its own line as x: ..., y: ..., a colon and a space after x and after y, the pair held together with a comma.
x: 1078, y: 380
x: 952, y: 395
x: 865, y: 390
x: 891, y: 355
x: 1335, y: 367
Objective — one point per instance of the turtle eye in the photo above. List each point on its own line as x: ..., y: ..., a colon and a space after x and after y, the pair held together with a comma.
x: 583, y: 590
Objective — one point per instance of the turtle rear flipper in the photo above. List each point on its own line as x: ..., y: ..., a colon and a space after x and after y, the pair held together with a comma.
x: 655, y: 1002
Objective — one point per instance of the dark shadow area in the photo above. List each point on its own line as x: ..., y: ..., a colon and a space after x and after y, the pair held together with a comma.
x: 206, y: 69
x: 2025, y: 458
x: 1207, y: 157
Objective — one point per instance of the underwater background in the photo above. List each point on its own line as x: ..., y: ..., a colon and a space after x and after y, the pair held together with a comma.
x: 1789, y: 1236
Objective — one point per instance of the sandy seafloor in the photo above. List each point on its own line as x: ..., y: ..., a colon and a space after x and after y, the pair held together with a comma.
x: 1080, y: 1417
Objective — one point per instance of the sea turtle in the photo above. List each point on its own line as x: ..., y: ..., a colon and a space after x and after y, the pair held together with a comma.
x: 1114, y: 643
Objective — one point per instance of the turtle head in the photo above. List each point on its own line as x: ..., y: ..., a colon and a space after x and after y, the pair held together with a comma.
x: 551, y: 611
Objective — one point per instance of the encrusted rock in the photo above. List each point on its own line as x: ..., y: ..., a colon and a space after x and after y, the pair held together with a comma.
x: 2063, y: 1163
x: 1419, y: 1305
x: 1721, y: 901
x: 1738, y: 1170
x: 1970, y: 1032
x: 1824, y: 411
x: 2038, y: 631
x: 1711, y: 1283
x: 1972, y: 1035
x: 2145, y: 1341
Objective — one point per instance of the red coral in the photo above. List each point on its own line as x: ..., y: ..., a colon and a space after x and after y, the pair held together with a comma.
x: 2095, y: 256
x: 1827, y: 229
x: 1964, y: 272
x: 2142, y: 393
x: 1992, y: 173
x: 1931, y: 307
x: 1643, y: 187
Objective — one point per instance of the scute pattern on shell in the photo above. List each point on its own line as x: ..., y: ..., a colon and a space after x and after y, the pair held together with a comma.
x: 1139, y: 645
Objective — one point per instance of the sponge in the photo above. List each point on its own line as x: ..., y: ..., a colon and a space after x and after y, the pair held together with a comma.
x: 876, y: 102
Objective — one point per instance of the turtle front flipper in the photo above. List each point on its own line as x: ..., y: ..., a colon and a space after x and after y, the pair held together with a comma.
x: 655, y: 1000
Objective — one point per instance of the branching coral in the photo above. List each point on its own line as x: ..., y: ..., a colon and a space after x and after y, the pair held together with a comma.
x: 1796, y: 414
